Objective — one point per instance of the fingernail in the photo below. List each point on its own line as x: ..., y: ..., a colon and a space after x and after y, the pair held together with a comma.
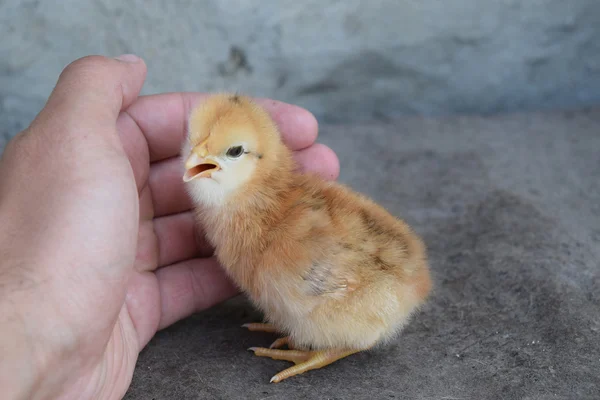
x: 128, y: 58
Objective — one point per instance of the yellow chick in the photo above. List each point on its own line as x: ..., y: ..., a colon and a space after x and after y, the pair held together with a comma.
x: 333, y: 272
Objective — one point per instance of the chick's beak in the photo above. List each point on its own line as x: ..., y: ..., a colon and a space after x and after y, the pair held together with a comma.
x: 199, y: 167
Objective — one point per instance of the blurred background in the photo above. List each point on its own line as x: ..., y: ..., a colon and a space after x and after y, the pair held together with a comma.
x: 346, y: 60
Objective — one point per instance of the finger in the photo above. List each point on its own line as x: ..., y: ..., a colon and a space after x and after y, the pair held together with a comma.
x: 191, y: 286
x: 170, y: 197
x: 135, y: 147
x: 163, y: 119
x: 299, y: 127
x: 92, y: 90
x: 180, y: 238
x: 167, y: 187
x: 143, y: 305
x: 319, y: 159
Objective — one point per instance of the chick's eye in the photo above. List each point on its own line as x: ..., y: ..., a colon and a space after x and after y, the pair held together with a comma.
x: 235, y: 151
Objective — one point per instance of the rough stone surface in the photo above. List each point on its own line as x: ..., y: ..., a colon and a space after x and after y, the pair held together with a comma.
x: 510, y: 210
x: 341, y: 59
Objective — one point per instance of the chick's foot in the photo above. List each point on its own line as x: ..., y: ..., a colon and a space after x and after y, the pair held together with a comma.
x: 304, y: 360
x: 279, y: 343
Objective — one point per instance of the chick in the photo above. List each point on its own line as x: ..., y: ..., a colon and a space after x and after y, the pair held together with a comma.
x: 333, y: 272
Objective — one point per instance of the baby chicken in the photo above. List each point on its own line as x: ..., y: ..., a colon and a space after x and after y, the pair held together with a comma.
x: 333, y: 272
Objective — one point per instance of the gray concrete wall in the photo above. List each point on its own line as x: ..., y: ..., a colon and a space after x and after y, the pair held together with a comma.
x: 343, y: 60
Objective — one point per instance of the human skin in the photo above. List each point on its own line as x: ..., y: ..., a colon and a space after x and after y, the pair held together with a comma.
x: 98, y: 249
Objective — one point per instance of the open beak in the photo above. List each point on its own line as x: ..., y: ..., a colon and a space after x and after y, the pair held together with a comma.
x: 198, y: 167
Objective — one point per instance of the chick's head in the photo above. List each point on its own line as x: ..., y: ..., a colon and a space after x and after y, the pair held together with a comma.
x: 231, y: 144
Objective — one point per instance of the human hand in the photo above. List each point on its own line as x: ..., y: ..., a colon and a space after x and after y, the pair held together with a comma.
x: 98, y: 248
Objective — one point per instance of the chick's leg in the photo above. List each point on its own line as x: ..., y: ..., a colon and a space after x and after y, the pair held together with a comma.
x: 304, y: 360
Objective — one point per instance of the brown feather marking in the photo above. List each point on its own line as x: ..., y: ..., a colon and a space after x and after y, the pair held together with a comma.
x: 384, y: 266
x: 318, y: 201
x: 348, y: 246
x: 321, y: 280
x: 371, y: 224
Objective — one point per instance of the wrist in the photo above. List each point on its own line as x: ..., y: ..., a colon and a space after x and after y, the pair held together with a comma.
x: 19, y: 372
x: 31, y: 367
x: 29, y: 358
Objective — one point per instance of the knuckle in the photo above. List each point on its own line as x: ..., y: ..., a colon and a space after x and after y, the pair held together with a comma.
x: 18, y: 143
x: 24, y: 151
x: 92, y: 76
x: 89, y: 66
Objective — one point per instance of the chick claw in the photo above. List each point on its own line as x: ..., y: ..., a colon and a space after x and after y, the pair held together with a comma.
x: 304, y: 360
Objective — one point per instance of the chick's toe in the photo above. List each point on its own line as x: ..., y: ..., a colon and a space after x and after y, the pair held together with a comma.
x: 279, y: 343
x: 295, y: 356
x: 304, y: 360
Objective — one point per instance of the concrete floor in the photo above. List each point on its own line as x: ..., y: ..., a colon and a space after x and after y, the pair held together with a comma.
x: 510, y: 209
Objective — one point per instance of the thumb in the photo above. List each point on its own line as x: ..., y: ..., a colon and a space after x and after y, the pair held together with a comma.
x: 67, y: 190
x: 71, y: 156
x: 92, y: 91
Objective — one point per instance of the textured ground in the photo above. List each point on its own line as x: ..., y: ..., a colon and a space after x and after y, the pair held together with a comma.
x: 510, y: 209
